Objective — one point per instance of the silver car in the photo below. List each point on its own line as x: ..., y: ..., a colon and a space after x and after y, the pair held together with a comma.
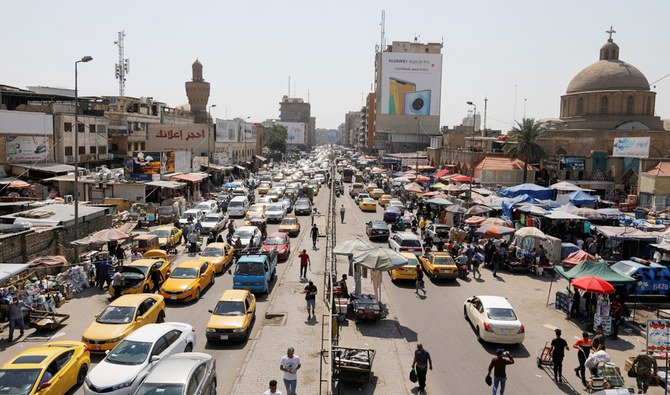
x: 191, y: 373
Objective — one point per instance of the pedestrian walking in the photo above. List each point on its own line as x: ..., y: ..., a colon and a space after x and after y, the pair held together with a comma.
x: 499, y: 365
x: 310, y: 298
x: 646, y: 368
x: 422, y: 362
x: 599, y: 339
x: 156, y: 278
x: 616, y: 312
x: 290, y: 363
x: 16, y: 317
x: 273, y: 389
x: 117, y: 282
x: 193, y: 241
x: 342, y: 212
x: 476, y: 262
x: 558, y: 348
x: 583, y: 347
x: 304, y: 262
x: 495, y: 260
x: 315, y: 235
x: 419, y: 283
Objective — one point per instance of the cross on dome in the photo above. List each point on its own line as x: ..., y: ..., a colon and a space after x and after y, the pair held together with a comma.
x: 610, y: 32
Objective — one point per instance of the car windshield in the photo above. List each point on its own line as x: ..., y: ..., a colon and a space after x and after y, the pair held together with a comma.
x: 184, y: 272
x: 302, y: 203
x: 212, y: 251
x: 275, y: 207
x: 410, y: 243
x: 443, y: 260
x: 18, y: 381
x: 203, y: 206
x: 212, y: 218
x: 273, y: 241
x: 392, y: 209
x: 249, y: 269
x: 244, y: 234
x: 129, y: 352
x: 162, y: 233
x: 160, y: 389
x: 186, y: 215
x: 229, y: 307
x: 288, y: 221
x: 235, y: 203
x: 379, y: 225
x: 116, y: 315
x: 501, y: 314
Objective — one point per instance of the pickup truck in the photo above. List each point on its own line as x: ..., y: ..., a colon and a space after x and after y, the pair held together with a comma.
x: 254, y: 270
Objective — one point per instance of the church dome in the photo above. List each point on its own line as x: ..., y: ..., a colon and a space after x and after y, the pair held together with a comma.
x: 609, y: 73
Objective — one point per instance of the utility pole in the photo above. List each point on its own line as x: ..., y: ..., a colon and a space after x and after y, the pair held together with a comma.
x: 123, y: 67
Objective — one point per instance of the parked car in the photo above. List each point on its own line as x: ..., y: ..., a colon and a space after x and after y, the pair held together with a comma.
x: 232, y: 316
x: 408, y: 271
x: 167, y: 214
x: 377, y: 230
x: 494, y: 319
x: 438, y: 232
x: 67, y: 362
x: 136, y: 274
x: 406, y: 242
x: 303, y: 207
x: 187, y: 280
x: 191, y: 373
x: 280, y: 241
x: 212, y: 222
x: 125, y: 367
x: 438, y: 264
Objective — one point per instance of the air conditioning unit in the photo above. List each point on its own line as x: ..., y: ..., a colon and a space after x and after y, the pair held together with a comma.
x: 67, y: 198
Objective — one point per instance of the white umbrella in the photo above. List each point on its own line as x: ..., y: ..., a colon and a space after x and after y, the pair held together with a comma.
x: 530, y: 231
x: 353, y: 246
x: 381, y: 259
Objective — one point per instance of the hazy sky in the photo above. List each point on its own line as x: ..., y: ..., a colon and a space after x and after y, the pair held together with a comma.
x: 249, y: 48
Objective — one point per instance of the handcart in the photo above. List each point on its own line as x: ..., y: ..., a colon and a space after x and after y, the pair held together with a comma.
x: 544, y: 356
x: 608, y: 377
x: 367, y: 307
x: 47, y: 320
x: 353, y: 365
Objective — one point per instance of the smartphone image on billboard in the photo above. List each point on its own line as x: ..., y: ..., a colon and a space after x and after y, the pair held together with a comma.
x: 417, y: 103
x: 397, y: 91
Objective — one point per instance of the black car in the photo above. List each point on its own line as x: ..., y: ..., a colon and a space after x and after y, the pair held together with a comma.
x: 377, y: 230
x: 288, y: 203
x: 303, y: 207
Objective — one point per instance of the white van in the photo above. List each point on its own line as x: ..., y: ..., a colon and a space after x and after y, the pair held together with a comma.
x: 238, y: 206
x: 208, y: 206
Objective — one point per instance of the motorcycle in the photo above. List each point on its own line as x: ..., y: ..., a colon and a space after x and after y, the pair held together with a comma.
x: 337, y: 193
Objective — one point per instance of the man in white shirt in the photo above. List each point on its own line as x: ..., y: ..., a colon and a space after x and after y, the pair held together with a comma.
x: 290, y: 364
x: 273, y: 389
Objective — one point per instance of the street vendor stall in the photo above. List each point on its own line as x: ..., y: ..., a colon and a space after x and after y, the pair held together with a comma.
x: 625, y: 242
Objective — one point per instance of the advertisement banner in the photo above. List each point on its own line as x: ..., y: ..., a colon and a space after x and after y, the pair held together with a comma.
x: 631, y: 147
x: 27, y: 148
x: 146, y: 162
x: 228, y: 131
x: 412, y: 162
x: 163, y: 137
x: 411, y: 83
x: 295, y: 132
x: 182, y: 161
x: 167, y: 162
x: 658, y: 335
x: 250, y: 130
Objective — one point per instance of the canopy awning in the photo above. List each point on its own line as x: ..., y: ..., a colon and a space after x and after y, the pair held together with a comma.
x: 626, y: 233
x: 240, y: 167
x: 166, y: 184
x: 599, y: 270
x: 8, y: 270
x: 217, y: 167
x: 562, y: 215
x: 190, y: 177
x: 261, y: 158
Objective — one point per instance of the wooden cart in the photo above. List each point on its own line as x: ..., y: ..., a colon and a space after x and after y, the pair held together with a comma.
x: 353, y: 365
x: 544, y: 356
x: 47, y: 320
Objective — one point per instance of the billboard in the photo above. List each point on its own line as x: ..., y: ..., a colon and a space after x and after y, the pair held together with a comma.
x: 295, y: 132
x: 228, y: 131
x: 631, y: 147
x: 182, y: 161
x: 145, y: 162
x: 167, y: 161
x: 250, y: 130
x: 658, y: 335
x: 411, y: 83
x: 162, y: 137
x: 27, y: 148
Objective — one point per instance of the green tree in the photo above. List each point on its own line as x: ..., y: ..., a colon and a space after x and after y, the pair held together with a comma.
x: 522, y: 143
x: 275, y: 138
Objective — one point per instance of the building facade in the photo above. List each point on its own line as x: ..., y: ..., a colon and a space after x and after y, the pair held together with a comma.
x: 197, y: 91
x: 295, y: 109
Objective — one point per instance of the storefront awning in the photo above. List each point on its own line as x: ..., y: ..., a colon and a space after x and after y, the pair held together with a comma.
x: 261, y: 158
x: 190, y: 177
x: 212, y: 166
x: 166, y: 184
x: 8, y: 270
x: 240, y: 167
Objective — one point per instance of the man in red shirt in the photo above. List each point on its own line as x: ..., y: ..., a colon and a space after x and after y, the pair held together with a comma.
x: 616, y: 312
x: 498, y: 365
x: 304, y: 262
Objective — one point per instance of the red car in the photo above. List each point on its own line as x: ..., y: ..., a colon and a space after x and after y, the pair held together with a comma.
x: 281, y: 241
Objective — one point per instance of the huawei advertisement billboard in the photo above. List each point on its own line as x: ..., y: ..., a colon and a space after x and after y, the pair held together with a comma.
x: 411, y: 83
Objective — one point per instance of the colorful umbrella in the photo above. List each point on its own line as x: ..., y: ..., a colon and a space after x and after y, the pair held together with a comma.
x: 413, y: 187
x: 439, y: 201
x: 18, y: 184
x: 455, y: 208
x: 478, y: 209
x: 496, y: 221
x: 437, y: 185
x: 410, y: 176
x: 460, y: 178
x: 531, y: 231
x: 475, y: 220
x: 577, y: 257
x: 111, y: 234
x: 422, y: 179
x: 588, y: 213
x: 593, y: 284
x: 494, y: 231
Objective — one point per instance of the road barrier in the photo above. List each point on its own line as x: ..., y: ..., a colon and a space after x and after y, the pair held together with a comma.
x: 328, y: 320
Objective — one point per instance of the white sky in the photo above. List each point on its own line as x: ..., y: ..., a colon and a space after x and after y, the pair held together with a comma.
x: 249, y: 48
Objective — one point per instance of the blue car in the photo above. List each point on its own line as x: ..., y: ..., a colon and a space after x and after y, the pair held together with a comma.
x: 391, y: 213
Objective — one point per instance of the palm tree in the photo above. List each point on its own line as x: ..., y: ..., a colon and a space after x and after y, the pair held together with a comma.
x: 522, y: 143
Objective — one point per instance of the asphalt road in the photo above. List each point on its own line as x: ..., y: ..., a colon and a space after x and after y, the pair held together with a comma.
x: 230, y: 356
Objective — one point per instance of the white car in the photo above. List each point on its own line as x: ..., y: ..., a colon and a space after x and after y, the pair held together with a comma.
x: 208, y: 206
x: 494, y: 320
x: 192, y: 373
x: 406, y: 242
x: 213, y: 222
x: 249, y: 235
x: 275, y: 212
x: 194, y: 213
x: 124, y: 367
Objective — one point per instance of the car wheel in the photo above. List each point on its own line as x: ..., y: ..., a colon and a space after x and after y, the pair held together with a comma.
x: 197, y: 293
x: 161, y: 317
x: 81, y: 375
x: 479, y: 336
x: 213, y: 279
x: 146, y: 288
x: 212, y: 389
x: 189, y: 347
x: 465, y: 314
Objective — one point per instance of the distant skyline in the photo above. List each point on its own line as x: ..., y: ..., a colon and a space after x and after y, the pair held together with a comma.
x: 491, y: 50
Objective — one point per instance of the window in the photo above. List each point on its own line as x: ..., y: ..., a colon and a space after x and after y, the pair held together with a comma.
x: 142, y: 148
x: 160, y: 346
x: 82, y: 150
x: 68, y: 151
x: 67, y: 126
x: 102, y: 149
x: 81, y: 128
x: 604, y: 103
x: 580, y: 106
x: 629, y: 105
x: 102, y: 129
x: 93, y: 149
x: 91, y: 128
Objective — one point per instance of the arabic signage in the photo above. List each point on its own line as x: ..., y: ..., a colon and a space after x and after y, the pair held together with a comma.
x: 658, y: 335
x: 162, y: 137
x: 228, y: 130
x: 295, y: 132
x: 27, y: 148
x: 631, y: 147
x: 411, y: 83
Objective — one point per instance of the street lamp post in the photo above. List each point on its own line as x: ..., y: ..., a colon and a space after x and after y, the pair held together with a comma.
x: 209, y: 132
x: 418, y: 124
x: 472, y: 170
x: 76, y: 146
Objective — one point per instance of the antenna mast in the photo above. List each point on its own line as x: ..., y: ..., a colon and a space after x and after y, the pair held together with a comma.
x: 123, y: 67
x: 382, y: 42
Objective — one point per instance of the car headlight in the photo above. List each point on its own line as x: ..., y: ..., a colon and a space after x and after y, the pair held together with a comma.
x: 117, y: 339
x: 211, y: 330
x: 239, y: 330
x: 122, y: 385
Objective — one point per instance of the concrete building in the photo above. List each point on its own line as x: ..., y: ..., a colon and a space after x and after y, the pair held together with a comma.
x: 295, y: 109
x: 654, y: 187
x: 197, y: 91
x: 353, y: 122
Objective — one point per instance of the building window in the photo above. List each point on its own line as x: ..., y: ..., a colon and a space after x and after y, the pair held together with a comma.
x: 142, y: 148
x: 91, y: 128
x: 102, y: 149
x: 604, y: 103
x: 629, y: 105
x: 81, y: 128
x: 102, y: 129
x: 93, y: 149
x: 130, y: 146
x: 82, y: 150
x: 67, y: 126
x: 580, y: 106
x: 68, y: 151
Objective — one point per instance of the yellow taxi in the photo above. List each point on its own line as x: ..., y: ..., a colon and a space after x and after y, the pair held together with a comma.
x: 383, y: 199
x: 168, y: 236
x: 218, y: 254
x: 232, y: 317
x: 376, y: 193
x: 264, y: 188
x: 122, y: 316
x: 187, y: 280
x: 136, y: 275
x: 439, y: 265
x: 52, y: 368
x: 367, y: 204
x: 370, y: 187
x: 407, y: 272
x: 290, y: 225
x: 256, y: 209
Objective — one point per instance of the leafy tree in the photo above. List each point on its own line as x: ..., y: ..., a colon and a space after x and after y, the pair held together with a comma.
x: 275, y: 138
x: 522, y: 143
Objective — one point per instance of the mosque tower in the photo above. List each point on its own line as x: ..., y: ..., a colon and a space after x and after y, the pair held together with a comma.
x: 197, y: 91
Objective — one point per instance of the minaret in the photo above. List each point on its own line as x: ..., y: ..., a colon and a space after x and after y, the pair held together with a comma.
x: 197, y: 91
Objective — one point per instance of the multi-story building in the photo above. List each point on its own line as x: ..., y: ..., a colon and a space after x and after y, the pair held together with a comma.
x: 353, y: 121
x: 294, y: 109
